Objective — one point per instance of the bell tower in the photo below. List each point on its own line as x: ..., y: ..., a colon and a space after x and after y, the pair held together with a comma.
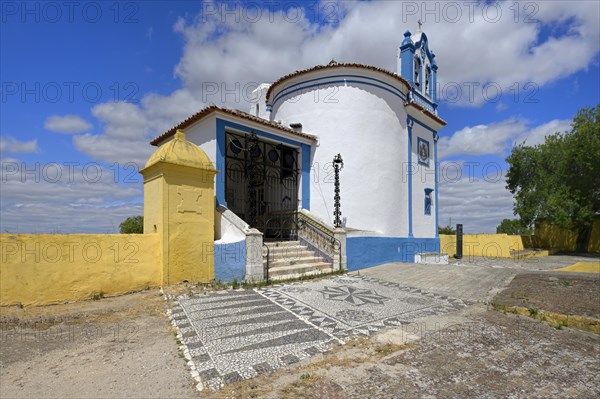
x: 417, y: 65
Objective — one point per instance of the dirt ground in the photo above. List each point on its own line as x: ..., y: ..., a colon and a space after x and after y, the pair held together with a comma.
x: 566, y: 293
x: 480, y: 354
x: 124, y: 347
x: 121, y: 347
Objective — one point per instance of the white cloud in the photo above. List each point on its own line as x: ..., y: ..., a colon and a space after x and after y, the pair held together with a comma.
x: 475, y: 48
x: 494, y: 138
x: 56, y: 197
x: 67, y: 124
x: 14, y: 146
x: 235, y: 56
x: 125, y: 136
x: 479, y: 204
x: 498, y: 138
x: 226, y: 55
x: 538, y: 135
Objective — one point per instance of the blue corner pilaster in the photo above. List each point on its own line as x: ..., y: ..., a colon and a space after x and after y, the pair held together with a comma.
x: 435, y: 164
x: 220, y: 178
x: 434, y: 69
x: 409, y: 124
x: 306, y: 176
x: 407, y: 52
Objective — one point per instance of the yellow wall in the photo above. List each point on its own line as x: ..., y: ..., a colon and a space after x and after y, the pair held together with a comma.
x: 501, y: 245
x: 177, y: 244
x: 561, y: 239
x: 594, y: 243
x: 554, y: 237
x: 488, y: 245
x: 179, y: 201
x: 51, y: 268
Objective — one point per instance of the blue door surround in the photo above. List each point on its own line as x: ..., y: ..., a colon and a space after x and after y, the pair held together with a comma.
x: 305, y: 149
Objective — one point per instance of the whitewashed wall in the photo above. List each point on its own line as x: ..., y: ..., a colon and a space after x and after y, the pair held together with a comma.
x: 424, y: 177
x: 367, y: 125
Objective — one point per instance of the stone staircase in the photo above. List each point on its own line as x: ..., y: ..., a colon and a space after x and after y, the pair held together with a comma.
x: 290, y: 259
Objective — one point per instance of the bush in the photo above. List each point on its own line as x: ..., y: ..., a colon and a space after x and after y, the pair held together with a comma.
x: 132, y: 225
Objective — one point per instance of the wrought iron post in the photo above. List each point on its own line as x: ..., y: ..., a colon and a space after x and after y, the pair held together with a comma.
x: 338, y: 164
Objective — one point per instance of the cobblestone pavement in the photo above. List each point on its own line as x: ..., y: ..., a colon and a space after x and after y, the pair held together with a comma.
x: 471, y: 278
x: 236, y: 335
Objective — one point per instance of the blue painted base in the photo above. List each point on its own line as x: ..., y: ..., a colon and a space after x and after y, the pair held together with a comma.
x: 363, y: 252
x: 230, y: 261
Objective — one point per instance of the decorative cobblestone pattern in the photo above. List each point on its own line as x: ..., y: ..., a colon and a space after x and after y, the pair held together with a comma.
x: 234, y: 335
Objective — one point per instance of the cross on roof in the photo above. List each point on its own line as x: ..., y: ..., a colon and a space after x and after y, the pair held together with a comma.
x: 420, y: 23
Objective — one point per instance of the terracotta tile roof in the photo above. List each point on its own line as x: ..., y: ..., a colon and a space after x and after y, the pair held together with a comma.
x: 334, y: 65
x: 243, y: 115
x: 429, y: 114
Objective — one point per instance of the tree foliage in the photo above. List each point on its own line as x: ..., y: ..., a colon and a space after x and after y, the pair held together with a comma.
x: 513, y: 227
x: 446, y: 230
x: 559, y: 181
x: 132, y: 225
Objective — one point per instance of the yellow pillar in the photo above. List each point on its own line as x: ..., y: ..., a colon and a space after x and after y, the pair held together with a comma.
x: 179, y: 205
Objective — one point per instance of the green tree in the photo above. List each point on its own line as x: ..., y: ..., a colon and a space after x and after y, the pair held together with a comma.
x: 513, y: 227
x: 559, y: 181
x: 446, y: 230
x: 132, y: 225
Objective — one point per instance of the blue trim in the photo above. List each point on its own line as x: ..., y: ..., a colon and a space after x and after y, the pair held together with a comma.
x: 421, y: 124
x: 410, y: 177
x: 306, y: 176
x: 406, y: 60
x: 419, y: 141
x: 435, y: 164
x: 407, y: 40
x: 221, y: 128
x: 364, y: 252
x: 424, y: 43
x: 285, y: 92
x: 230, y: 261
x: 220, y: 178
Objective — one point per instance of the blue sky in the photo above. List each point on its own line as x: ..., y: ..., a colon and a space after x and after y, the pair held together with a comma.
x: 84, y: 88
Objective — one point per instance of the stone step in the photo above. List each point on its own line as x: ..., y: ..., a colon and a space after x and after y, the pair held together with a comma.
x: 431, y: 258
x: 298, y: 275
x: 294, y: 271
x: 281, y: 244
x: 288, y: 252
x: 276, y: 262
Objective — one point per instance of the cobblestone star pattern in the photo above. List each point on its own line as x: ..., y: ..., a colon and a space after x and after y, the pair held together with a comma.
x: 353, y: 295
x: 234, y: 335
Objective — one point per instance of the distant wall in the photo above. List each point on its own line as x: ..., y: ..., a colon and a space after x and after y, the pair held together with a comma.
x: 487, y: 245
x: 40, y: 269
x: 594, y: 243
x: 560, y: 239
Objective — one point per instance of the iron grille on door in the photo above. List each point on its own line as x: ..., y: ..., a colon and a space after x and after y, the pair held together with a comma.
x: 261, y: 184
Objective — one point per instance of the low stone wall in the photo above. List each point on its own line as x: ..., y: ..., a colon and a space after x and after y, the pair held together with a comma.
x: 38, y: 269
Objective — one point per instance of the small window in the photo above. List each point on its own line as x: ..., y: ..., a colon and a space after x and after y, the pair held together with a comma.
x: 427, y: 79
x: 428, y: 201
